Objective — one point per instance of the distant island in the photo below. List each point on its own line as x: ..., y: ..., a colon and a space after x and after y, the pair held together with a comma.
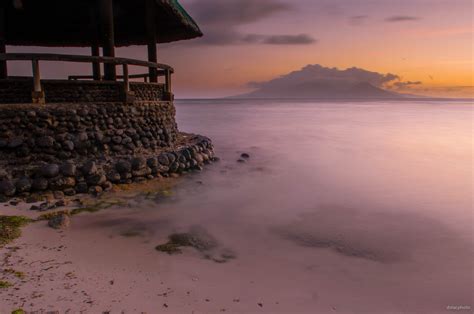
x: 316, y: 81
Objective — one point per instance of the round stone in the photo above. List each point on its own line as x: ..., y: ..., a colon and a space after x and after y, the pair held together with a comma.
x: 138, y: 163
x: 96, y: 179
x: 174, y: 167
x: 82, y: 137
x: 82, y: 187
x: 45, y: 142
x: 23, y: 185
x: 7, y: 188
x: 163, y: 160
x: 49, y: 170
x: 68, y: 145
x: 40, y: 184
x: 113, y: 176
x: 68, y: 169
x: 60, y: 221
x: 117, y: 139
x: 15, y: 143
x: 95, y: 190
x: 123, y: 166
x: 199, y: 159
x: 89, y: 168
x: 152, y: 162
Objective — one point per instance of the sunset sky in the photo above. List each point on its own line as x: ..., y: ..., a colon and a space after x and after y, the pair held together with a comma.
x: 427, y: 43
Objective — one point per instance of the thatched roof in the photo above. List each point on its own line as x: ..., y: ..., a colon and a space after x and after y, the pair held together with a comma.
x: 61, y: 23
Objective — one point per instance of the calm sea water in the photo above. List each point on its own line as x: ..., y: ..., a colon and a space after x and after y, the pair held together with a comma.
x: 367, y: 205
x: 361, y: 207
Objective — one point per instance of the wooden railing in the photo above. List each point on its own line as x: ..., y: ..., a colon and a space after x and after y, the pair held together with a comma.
x: 35, y: 58
x: 144, y: 76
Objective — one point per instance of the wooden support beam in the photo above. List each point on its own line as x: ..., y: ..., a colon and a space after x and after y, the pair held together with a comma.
x: 96, y: 72
x: 95, y: 26
x: 168, y: 94
x: 3, y: 48
x: 168, y: 81
x: 38, y: 95
x: 108, y: 37
x: 151, y: 35
x: 126, y: 80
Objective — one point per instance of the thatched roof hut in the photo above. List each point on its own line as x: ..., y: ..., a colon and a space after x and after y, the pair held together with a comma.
x: 97, y: 24
x: 77, y: 23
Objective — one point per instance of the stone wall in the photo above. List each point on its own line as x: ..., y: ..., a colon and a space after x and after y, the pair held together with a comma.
x: 62, y: 91
x: 73, y: 130
x: 147, y: 91
x: 85, y: 147
x: 70, y: 177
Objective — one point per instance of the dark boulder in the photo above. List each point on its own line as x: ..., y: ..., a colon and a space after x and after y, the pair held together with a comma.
x: 89, y: 168
x: 40, y: 184
x: 82, y: 187
x: 49, y: 170
x: 68, y: 169
x: 163, y: 160
x: 7, y: 188
x: 138, y: 163
x: 23, y: 185
x: 152, y: 162
x: 123, y: 166
x: 45, y: 142
x: 96, y: 179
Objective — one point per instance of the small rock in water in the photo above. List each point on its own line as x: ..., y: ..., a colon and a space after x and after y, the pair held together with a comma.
x: 242, y: 161
x: 61, y: 221
x: 245, y: 155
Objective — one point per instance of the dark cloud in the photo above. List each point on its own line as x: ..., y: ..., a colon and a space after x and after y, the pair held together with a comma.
x: 235, y: 12
x: 220, y: 21
x: 406, y: 84
x: 401, y: 18
x: 301, y: 39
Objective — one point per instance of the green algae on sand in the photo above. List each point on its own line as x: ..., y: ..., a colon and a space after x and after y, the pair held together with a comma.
x: 10, y: 228
x: 16, y: 273
x: 5, y: 284
x: 197, y: 238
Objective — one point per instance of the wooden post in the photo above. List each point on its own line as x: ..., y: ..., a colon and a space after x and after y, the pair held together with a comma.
x: 3, y: 63
x: 126, y: 81
x: 151, y: 34
x: 38, y: 96
x: 168, y: 95
x: 108, y: 37
x: 168, y: 81
x: 95, y: 26
x: 96, y: 73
